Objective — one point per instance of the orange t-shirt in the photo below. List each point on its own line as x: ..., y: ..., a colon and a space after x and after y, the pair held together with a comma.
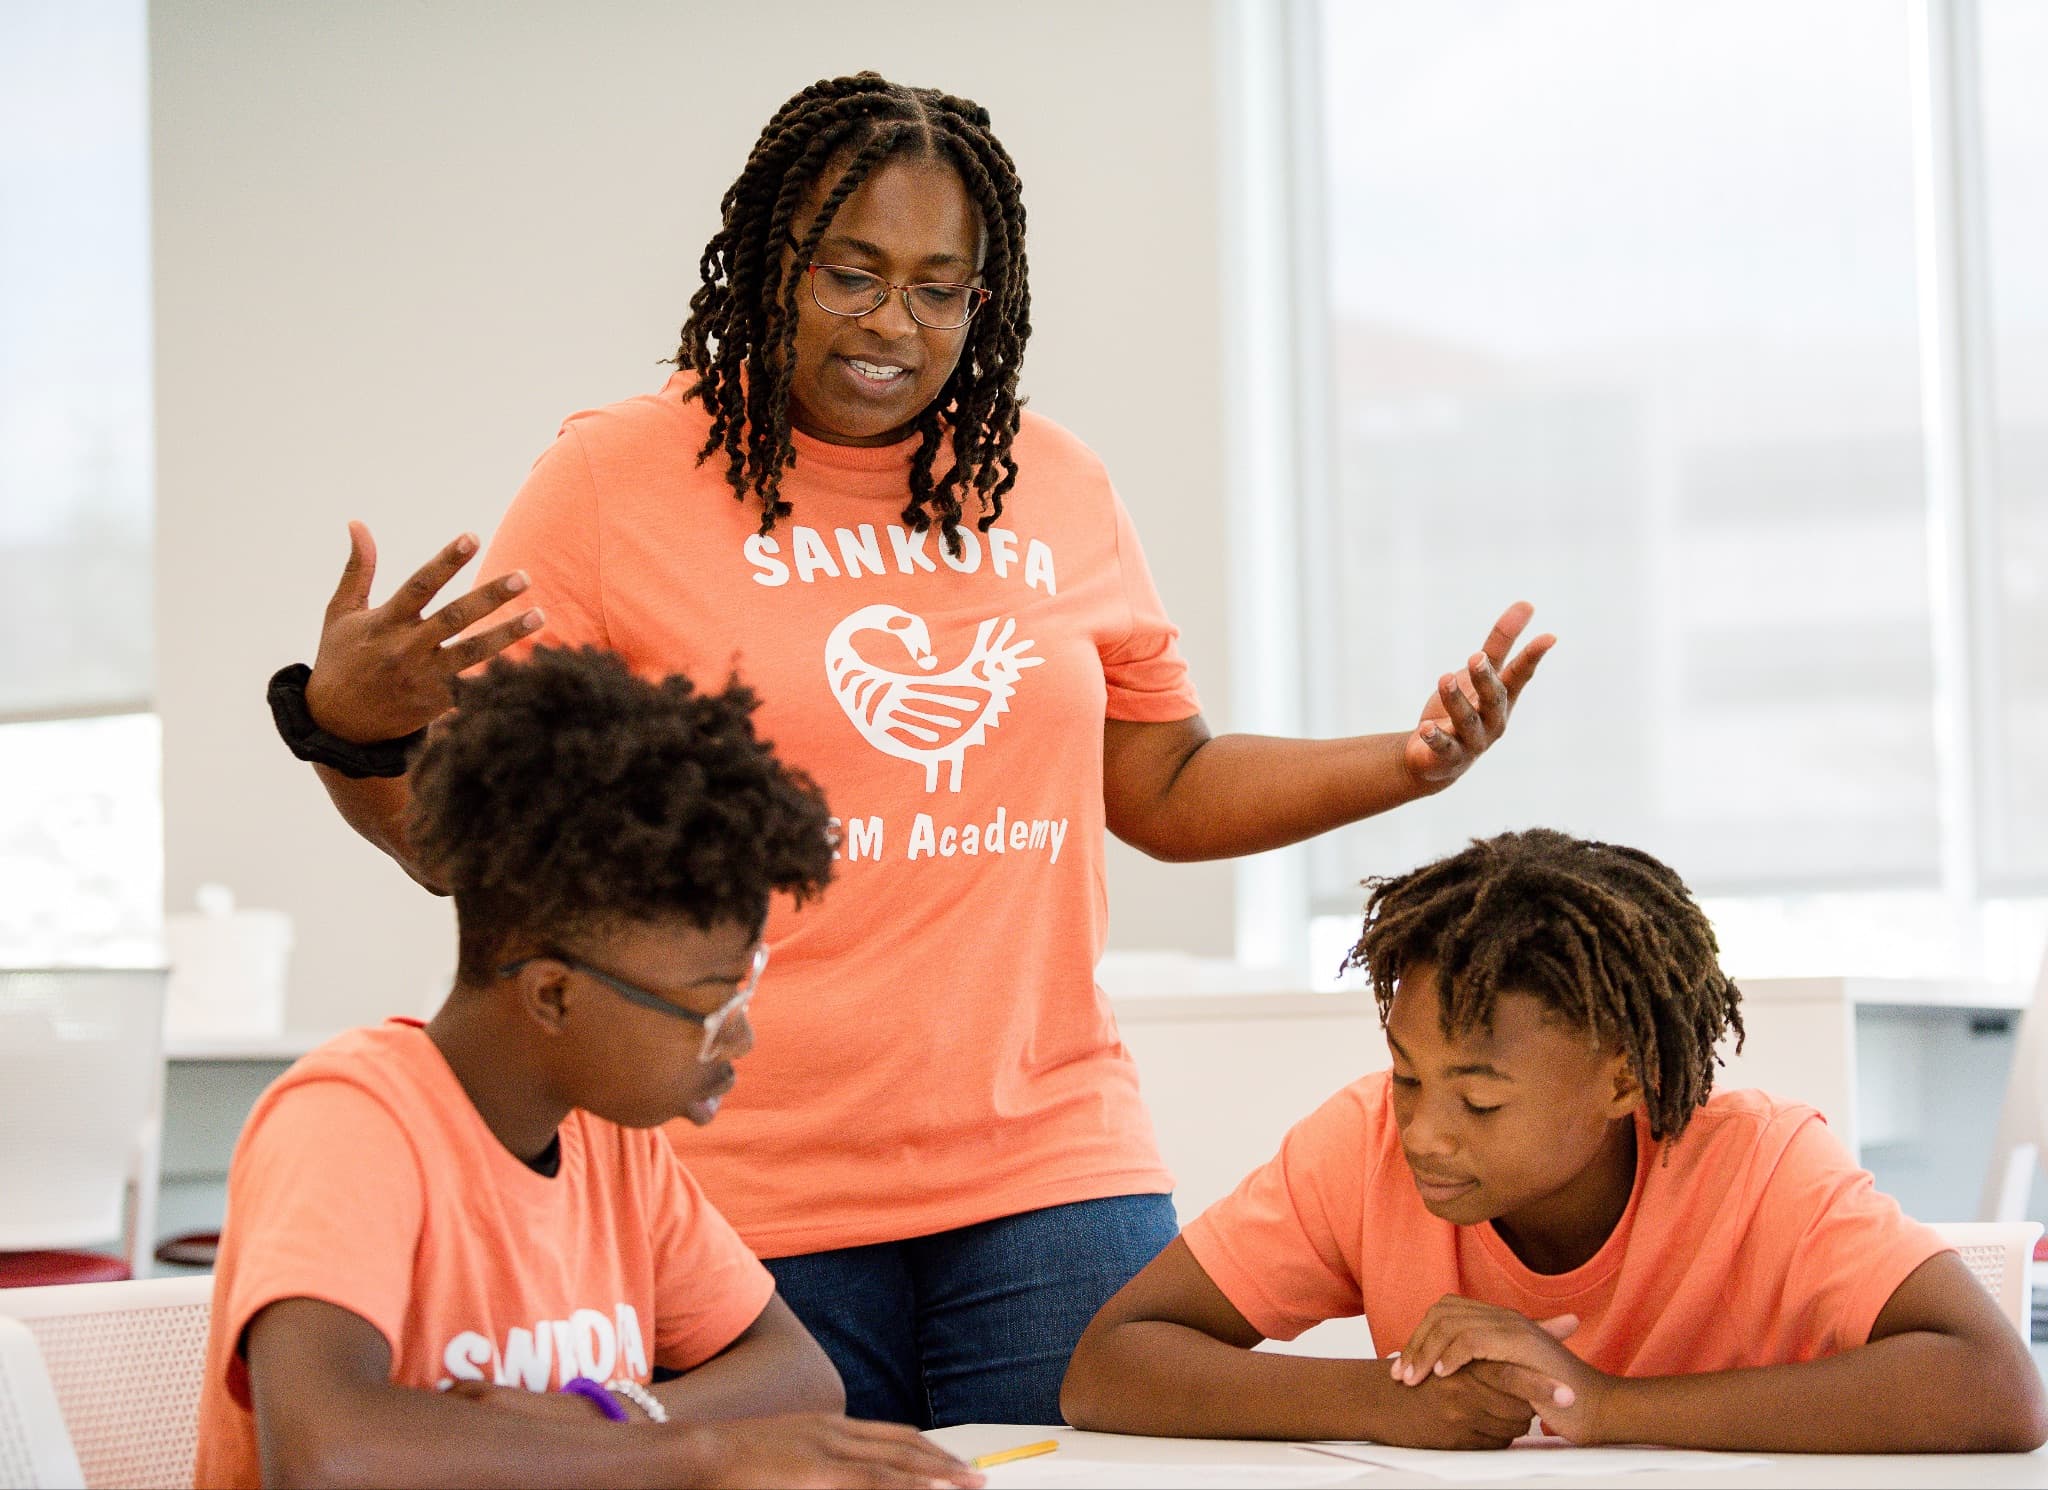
x: 933, y: 1049
x: 1751, y: 1240
x: 367, y: 1180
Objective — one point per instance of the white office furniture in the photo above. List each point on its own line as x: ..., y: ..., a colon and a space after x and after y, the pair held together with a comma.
x: 1803, y: 1045
x: 2023, y: 1117
x: 35, y: 1451
x: 81, y: 1087
x: 126, y: 1361
x: 210, y: 1084
x: 2001, y: 1254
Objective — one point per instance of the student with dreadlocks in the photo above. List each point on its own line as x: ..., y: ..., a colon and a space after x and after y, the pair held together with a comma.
x: 941, y: 1151
x: 1548, y: 1210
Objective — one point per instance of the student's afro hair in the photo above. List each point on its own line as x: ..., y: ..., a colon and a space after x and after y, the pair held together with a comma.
x: 1607, y: 937
x: 566, y: 793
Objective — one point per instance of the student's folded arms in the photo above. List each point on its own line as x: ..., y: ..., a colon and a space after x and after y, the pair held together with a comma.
x: 1545, y: 1211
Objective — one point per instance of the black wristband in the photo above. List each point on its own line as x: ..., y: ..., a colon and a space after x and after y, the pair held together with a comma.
x: 309, y: 742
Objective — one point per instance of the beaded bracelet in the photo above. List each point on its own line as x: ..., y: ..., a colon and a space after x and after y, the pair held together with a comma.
x: 610, y: 1406
x: 641, y: 1398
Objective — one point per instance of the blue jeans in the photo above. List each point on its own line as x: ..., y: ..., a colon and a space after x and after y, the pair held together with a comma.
x: 974, y: 1325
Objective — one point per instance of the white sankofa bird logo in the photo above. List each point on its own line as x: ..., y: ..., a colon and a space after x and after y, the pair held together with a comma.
x: 932, y: 718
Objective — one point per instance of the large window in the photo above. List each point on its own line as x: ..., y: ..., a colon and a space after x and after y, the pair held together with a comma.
x: 80, y: 820
x: 81, y: 842
x: 2013, y: 52
x: 1622, y: 309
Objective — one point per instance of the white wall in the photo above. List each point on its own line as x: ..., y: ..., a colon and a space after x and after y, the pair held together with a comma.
x: 396, y: 243
x: 1226, y: 1077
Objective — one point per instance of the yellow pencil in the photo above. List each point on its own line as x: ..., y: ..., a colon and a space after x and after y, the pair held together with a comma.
x: 1028, y: 1451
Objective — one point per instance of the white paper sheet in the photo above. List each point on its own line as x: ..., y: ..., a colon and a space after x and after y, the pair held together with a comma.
x: 1062, y: 1470
x: 1532, y: 1456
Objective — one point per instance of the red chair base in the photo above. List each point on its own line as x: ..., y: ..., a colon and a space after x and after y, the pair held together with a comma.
x: 39, y: 1269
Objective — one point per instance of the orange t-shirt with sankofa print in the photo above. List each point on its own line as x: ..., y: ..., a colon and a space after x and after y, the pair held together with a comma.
x: 367, y: 1180
x: 1752, y: 1239
x: 933, y: 1050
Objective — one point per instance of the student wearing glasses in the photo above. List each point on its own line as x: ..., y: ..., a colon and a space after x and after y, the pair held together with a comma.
x: 463, y: 1253
x: 941, y: 1149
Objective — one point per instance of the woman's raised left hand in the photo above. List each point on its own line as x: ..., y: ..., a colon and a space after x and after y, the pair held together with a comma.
x: 1470, y: 708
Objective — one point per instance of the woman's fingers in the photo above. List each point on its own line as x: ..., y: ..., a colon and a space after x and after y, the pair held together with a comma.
x: 1492, y: 695
x: 1501, y: 640
x: 1515, y: 672
x: 1522, y: 666
x: 1465, y: 721
x: 459, y: 614
x: 416, y: 594
x: 459, y: 657
x: 1442, y: 743
x: 1475, y: 704
x: 352, y: 593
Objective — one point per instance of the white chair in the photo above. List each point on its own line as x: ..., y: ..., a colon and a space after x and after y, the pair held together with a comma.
x: 125, y: 1361
x: 81, y: 1098
x: 2001, y: 1254
x: 2022, y: 1117
x: 1800, y: 1046
x: 35, y: 1451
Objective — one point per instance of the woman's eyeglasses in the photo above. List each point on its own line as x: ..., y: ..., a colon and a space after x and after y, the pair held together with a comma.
x: 841, y: 290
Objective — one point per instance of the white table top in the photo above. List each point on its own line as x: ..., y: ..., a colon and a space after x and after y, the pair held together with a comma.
x: 1825, y: 1470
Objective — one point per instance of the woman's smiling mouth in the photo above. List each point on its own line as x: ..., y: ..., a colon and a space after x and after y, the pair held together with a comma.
x: 877, y: 376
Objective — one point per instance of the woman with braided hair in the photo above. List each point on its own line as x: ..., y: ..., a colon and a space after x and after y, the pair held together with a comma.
x: 940, y: 1148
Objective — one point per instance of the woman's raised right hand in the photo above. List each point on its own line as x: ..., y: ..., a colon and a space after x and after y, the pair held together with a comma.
x: 385, y: 671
